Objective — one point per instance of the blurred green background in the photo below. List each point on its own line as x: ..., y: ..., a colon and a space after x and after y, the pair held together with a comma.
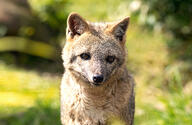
x: 159, y: 42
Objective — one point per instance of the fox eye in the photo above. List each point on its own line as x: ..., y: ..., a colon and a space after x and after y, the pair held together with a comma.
x: 85, y: 56
x: 110, y: 59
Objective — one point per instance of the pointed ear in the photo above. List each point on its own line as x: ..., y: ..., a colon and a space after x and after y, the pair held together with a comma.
x: 119, y: 29
x: 76, y: 25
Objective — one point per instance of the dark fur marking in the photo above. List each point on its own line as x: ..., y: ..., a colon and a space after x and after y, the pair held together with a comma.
x: 72, y: 59
x: 72, y: 116
x: 119, y: 64
x: 79, y: 119
x: 132, y: 107
x: 121, y: 30
x: 99, y: 123
x: 97, y: 34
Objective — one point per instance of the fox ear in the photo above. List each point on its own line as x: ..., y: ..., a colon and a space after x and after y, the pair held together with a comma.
x: 76, y: 25
x: 120, y: 28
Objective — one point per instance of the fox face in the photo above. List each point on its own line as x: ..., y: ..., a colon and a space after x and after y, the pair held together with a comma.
x: 94, y: 51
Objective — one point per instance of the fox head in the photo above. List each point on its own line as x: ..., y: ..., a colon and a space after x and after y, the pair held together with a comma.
x: 94, y: 52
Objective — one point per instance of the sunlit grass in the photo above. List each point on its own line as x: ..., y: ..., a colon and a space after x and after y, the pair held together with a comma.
x: 22, y: 88
x: 28, y: 97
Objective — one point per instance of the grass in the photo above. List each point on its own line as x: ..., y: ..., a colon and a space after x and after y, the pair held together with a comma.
x: 39, y: 114
x: 30, y: 98
x: 161, y: 98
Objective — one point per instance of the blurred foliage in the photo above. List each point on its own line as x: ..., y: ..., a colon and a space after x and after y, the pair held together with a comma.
x: 173, y: 18
x: 30, y: 54
x: 27, y: 46
x: 53, y: 12
x: 35, y: 36
x: 98, y: 10
x: 172, y: 15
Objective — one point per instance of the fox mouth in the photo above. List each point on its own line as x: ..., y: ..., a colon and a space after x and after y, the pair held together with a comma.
x: 95, y: 84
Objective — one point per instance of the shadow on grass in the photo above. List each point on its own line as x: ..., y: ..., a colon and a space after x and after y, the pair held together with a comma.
x: 29, y: 62
x: 40, y: 114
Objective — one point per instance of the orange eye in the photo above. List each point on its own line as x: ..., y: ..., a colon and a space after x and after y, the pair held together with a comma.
x: 110, y: 59
x: 85, y: 56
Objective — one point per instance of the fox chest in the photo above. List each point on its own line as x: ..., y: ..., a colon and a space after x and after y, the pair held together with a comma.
x: 85, y: 112
x: 84, y: 116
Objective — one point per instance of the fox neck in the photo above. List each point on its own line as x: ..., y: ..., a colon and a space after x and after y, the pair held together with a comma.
x: 94, y: 93
x: 97, y: 97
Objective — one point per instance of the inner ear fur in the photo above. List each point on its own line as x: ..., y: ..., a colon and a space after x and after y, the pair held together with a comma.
x: 119, y: 29
x: 76, y: 25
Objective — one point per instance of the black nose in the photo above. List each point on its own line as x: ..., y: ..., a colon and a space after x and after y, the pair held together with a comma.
x: 98, y: 78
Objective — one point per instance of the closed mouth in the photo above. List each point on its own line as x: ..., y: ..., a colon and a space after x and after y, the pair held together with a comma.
x: 95, y: 84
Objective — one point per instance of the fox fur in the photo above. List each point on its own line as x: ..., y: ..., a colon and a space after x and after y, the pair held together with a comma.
x: 84, y: 102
